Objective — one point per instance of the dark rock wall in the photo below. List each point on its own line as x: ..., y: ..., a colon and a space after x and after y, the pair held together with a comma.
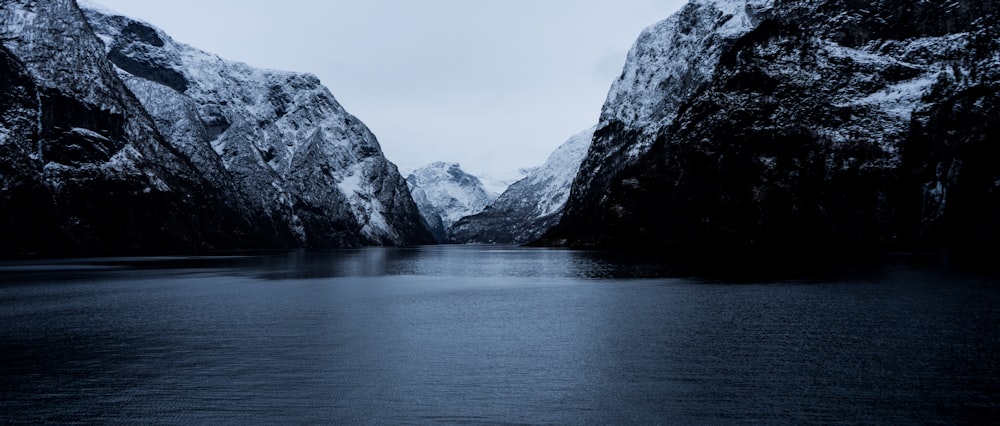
x: 783, y: 149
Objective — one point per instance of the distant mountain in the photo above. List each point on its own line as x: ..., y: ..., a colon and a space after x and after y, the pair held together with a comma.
x: 116, y: 139
x: 445, y: 193
x: 530, y: 206
x: 497, y: 185
x: 789, y: 125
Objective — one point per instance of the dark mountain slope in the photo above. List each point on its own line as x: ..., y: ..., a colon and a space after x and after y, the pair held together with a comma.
x: 84, y: 169
x: 824, y: 125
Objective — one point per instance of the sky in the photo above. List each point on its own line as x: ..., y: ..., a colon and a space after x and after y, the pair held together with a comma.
x: 495, y: 85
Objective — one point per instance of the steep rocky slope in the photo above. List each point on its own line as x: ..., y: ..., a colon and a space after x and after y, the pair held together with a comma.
x: 445, y: 193
x: 82, y: 167
x: 279, y: 142
x: 189, y: 152
x: 789, y: 124
x: 531, y: 205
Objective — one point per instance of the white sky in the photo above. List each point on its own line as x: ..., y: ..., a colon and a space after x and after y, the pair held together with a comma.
x: 495, y: 85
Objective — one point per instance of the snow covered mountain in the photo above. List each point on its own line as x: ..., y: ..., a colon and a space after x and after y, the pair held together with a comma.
x: 445, y: 193
x: 82, y: 167
x: 669, y: 63
x: 530, y: 206
x: 125, y: 141
x: 776, y: 123
x: 291, y: 151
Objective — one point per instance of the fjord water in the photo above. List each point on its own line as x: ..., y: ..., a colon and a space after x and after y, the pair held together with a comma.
x: 490, y: 335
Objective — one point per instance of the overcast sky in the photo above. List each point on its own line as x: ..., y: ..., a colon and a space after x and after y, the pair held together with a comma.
x: 495, y: 85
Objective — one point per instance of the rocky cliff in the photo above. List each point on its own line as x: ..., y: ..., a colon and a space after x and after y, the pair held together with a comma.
x: 295, y: 158
x: 83, y: 168
x: 114, y: 138
x: 741, y: 125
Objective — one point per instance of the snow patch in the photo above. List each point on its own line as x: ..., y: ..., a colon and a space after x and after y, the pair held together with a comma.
x: 898, y: 100
x: 350, y: 185
x: 87, y: 133
x: 97, y: 7
x: 366, y: 205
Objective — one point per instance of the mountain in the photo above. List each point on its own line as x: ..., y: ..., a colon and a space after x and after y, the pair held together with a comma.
x: 445, y: 193
x: 82, y: 167
x: 116, y: 139
x: 294, y: 157
x: 795, y: 125
x: 530, y: 206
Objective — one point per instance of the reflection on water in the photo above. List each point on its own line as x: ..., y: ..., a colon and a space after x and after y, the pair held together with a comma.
x: 470, y: 261
x: 489, y: 335
x: 464, y: 261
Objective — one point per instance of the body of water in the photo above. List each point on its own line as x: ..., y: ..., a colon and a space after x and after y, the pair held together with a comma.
x: 492, y: 335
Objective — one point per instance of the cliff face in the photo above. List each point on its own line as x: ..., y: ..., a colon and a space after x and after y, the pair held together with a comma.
x: 83, y: 167
x: 293, y: 158
x: 752, y: 124
x: 125, y: 142
x: 531, y: 205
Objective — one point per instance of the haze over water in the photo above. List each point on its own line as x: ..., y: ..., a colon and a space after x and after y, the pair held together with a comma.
x: 472, y: 334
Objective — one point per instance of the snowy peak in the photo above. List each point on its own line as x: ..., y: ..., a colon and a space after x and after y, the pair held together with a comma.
x: 446, y: 172
x: 531, y: 205
x: 445, y: 193
x: 673, y: 58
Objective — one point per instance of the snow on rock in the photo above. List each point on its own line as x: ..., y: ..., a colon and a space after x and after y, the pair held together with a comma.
x: 672, y: 59
x: 278, y: 141
x: 669, y: 63
x: 445, y: 193
x: 531, y: 205
x: 748, y: 123
x: 85, y: 170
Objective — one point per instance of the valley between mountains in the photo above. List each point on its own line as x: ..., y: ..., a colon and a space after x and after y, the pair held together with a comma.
x: 736, y: 126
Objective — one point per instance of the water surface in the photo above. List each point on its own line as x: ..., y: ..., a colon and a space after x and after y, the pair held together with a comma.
x: 489, y: 335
